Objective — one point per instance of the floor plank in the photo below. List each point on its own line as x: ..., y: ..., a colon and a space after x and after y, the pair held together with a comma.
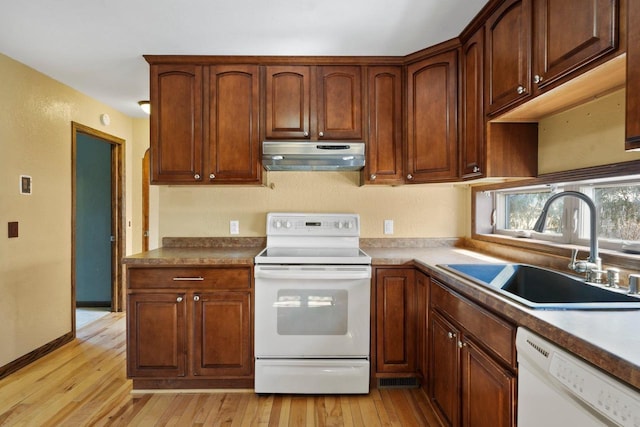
x: 84, y: 384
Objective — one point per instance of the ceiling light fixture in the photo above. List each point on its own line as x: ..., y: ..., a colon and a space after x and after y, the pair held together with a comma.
x: 146, y: 106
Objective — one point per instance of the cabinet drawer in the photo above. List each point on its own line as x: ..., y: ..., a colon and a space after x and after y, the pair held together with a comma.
x: 490, y: 331
x: 189, y: 277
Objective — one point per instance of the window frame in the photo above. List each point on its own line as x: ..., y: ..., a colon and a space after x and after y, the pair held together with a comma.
x: 482, y: 222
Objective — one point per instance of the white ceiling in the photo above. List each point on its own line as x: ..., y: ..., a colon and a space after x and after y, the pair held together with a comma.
x: 96, y: 46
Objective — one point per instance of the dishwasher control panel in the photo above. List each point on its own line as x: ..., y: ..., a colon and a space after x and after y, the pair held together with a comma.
x: 550, y: 375
x: 609, y: 398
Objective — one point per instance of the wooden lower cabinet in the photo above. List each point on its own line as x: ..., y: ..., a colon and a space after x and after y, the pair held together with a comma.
x: 222, y: 323
x: 197, y: 334
x: 156, y: 335
x: 472, y: 383
x: 395, y: 324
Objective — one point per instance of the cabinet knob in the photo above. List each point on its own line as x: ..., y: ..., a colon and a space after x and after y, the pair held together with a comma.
x: 179, y: 299
x: 409, y: 176
x: 372, y: 177
x: 461, y: 344
x: 321, y: 134
x: 451, y: 335
x: 537, y: 79
x: 476, y: 169
x: 212, y: 176
x: 196, y: 297
x: 305, y: 134
x: 196, y: 176
x: 521, y: 89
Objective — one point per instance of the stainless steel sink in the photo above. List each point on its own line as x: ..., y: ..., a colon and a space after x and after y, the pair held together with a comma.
x: 540, y: 288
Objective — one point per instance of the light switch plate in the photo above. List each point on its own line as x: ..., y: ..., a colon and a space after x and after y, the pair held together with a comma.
x: 234, y: 227
x: 388, y: 226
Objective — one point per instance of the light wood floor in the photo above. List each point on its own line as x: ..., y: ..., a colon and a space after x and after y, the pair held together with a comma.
x: 84, y: 383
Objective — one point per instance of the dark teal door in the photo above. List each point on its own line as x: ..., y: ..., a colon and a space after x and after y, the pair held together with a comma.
x: 93, y: 221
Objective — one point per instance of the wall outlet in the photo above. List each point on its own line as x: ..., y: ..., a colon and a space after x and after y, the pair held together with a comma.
x: 234, y: 227
x: 388, y: 226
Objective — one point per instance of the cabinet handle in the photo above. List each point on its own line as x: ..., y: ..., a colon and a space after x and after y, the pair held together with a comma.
x: 196, y: 298
x: 409, y: 176
x: 521, y: 89
x: 451, y: 335
x: 179, y: 299
x: 373, y: 177
x: 537, y: 79
x: 321, y: 134
x: 196, y: 176
x: 188, y: 279
x: 212, y: 176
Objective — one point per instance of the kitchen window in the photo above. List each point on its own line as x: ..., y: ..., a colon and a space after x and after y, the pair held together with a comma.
x: 514, y: 212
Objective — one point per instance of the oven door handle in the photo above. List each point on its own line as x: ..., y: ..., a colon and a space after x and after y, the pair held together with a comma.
x: 315, y: 273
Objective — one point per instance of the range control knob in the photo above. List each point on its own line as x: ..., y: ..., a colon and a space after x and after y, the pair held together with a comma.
x: 339, y: 225
x: 348, y: 225
x: 277, y: 224
x: 287, y: 224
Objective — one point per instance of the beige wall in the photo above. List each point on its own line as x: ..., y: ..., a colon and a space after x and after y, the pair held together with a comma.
x: 417, y: 210
x: 588, y: 135
x: 35, y: 139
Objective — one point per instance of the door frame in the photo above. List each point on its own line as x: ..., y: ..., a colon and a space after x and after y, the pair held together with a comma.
x: 118, y: 214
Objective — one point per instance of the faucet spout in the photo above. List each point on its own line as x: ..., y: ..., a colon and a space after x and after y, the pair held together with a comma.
x: 594, y: 257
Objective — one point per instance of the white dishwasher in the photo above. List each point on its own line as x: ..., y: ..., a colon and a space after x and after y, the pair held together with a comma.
x: 555, y: 388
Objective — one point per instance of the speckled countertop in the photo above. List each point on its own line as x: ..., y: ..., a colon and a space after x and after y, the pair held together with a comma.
x: 607, y: 339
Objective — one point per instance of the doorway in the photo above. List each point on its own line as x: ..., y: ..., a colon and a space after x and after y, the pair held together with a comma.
x: 97, y: 223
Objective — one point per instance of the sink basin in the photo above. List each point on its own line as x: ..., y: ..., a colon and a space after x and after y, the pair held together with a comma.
x: 540, y: 288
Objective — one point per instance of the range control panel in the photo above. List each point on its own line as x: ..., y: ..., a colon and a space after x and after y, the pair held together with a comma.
x: 321, y: 225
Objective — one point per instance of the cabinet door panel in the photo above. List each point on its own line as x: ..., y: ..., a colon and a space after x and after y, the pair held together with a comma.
x: 157, y: 331
x: 488, y: 391
x: 234, y: 110
x: 508, y: 60
x: 176, y: 123
x: 384, y: 146
x: 633, y: 76
x: 473, y: 124
x: 444, y: 369
x: 288, y: 102
x: 570, y: 33
x: 395, y: 321
x: 340, y: 102
x: 222, y: 334
x: 432, y: 140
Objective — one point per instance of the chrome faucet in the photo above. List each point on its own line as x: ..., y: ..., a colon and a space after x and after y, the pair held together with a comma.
x: 593, y: 263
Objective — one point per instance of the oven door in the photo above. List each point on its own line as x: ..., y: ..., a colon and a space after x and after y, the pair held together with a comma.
x: 312, y: 311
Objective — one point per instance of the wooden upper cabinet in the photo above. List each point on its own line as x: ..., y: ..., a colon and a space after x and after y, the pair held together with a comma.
x: 633, y: 76
x: 508, y: 55
x: 472, y: 141
x: 570, y: 33
x: 176, y: 123
x: 313, y: 102
x: 536, y: 45
x: 384, y: 145
x: 205, y: 124
x: 432, y: 135
x: 288, y: 102
x: 339, y: 102
x: 232, y: 130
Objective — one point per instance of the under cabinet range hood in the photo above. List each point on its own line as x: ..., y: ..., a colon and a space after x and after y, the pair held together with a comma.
x: 312, y: 156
